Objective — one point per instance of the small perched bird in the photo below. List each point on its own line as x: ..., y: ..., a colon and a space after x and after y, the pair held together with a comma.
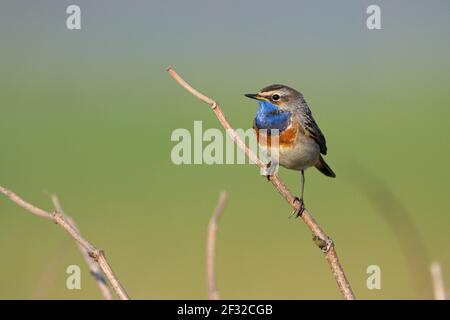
x: 300, y: 141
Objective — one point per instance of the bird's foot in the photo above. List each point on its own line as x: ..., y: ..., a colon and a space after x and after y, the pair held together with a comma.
x: 268, y: 171
x: 298, y: 212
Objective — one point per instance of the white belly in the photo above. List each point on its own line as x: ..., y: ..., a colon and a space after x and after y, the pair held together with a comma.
x: 305, y: 153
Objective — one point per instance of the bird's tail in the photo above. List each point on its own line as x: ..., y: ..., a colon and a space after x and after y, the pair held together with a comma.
x: 322, y: 166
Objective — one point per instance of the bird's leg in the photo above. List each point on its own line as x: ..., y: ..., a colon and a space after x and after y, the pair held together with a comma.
x: 301, y: 208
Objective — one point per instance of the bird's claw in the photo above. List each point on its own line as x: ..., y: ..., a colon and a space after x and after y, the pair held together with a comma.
x: 298, y: 212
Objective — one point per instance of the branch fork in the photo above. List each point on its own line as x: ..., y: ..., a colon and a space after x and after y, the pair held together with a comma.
x: 101, y: 268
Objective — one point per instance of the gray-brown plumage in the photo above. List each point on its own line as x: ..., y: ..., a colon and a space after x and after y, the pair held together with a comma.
x: 301, y: 142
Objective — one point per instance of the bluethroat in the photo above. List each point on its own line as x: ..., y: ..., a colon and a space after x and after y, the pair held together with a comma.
x: 283, y: 111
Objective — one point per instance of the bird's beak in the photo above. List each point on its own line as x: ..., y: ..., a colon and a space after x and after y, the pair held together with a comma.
x: 253, y: 96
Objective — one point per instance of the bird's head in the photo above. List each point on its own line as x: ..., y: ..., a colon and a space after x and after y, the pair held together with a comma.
x: 277, y: 96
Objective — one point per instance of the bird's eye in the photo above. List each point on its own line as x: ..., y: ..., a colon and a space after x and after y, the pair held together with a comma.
x: 276, y: 97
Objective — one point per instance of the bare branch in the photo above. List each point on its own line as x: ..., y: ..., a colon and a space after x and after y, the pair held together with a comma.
x: 438, y: 281
x: 93, y: 267
x: 213, y: 293
x: 97, y: 255
x: 324, y: 242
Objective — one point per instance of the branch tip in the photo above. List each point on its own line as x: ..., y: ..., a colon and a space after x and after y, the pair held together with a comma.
x: 213, y: 293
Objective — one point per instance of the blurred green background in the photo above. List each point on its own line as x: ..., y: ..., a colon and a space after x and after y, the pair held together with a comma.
x: 88, y: 115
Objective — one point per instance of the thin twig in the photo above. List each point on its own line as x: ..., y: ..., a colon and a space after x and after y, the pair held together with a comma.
x: 438, y: 281
x: 213, y: 293
x: 93, y: 267
x: 324, y: 242
x: 97, y: 255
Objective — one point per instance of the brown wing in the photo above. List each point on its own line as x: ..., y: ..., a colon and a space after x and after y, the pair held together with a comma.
x: 313, y: 130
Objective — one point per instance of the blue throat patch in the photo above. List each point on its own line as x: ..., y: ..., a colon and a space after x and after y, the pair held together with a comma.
x: 269, y: 116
